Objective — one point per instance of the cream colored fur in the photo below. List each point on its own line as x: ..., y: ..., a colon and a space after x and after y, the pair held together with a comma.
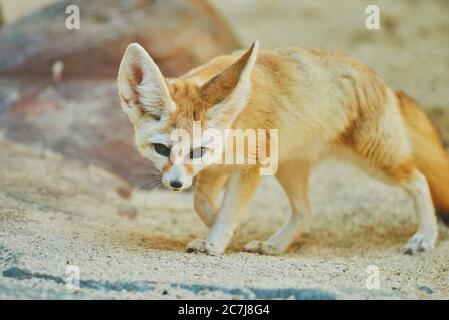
x: 323, y: 104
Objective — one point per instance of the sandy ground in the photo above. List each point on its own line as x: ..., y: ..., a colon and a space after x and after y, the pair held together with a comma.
x: 56, y: 212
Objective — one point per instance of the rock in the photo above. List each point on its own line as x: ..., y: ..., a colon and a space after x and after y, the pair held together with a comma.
x: 45, y: 104
x: 81, y: 119
x: 9, y: 94
x: 425, y: 289
x: 2, y: 18
x: 178, y: 35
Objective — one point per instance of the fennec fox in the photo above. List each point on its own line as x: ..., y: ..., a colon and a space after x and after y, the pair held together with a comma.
x: 322, y: 103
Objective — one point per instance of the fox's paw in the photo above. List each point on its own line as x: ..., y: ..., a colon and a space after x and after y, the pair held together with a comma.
x: 262, y: 247
x: 421, y: 241
x: 202, y: 246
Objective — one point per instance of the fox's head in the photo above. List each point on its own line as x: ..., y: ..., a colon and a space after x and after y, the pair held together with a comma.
x: 161, y: 108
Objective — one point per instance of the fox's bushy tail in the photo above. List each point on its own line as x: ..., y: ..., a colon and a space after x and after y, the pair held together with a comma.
x: 430, y: 155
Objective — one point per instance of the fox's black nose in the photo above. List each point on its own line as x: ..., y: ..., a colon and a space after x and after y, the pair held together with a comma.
x: 176, y: 184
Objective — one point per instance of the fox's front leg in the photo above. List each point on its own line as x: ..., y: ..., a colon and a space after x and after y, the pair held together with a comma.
x: 294, y: 178
x: 207, y: 187
x: 240, y: 188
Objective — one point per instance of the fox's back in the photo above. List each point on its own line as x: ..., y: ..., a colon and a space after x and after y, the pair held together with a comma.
x: 311, y: 95
x: 315, y: 94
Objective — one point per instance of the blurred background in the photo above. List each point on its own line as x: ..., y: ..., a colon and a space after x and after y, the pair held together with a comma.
x: 70, y: 177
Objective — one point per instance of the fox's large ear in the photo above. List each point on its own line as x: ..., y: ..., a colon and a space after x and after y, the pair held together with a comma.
x: 142, y: 88
x: 229, y: 91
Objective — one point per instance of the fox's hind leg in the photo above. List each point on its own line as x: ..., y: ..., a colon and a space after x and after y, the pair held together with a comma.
x: 294, y: 178
x: 424, y: 239
x: 383, y: 147
x: 410, y: 179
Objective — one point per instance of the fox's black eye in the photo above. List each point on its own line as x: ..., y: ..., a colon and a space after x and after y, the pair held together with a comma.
x: 197, y: 153
x: 162, y: 149
x: 156, y: 117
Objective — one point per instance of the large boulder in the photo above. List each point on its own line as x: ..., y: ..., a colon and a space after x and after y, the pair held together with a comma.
x: 2, y: 18
x: 80, y: 116
x: 178, y: 34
